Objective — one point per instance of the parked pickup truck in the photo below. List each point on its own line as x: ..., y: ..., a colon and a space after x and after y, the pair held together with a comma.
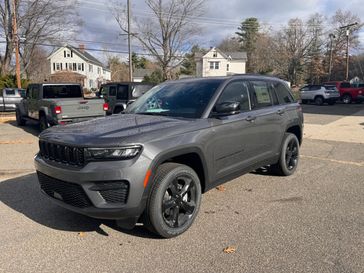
x: 55, y: 103
x: 119, y: 94
x: 348, y: 92
x: 9, y: 97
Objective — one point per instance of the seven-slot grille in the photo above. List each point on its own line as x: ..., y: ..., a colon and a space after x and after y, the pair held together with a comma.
x: 62, y: 153
x: 70, y: 193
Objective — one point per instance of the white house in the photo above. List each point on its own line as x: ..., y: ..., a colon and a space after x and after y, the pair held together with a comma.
x: 218, y: 63
x: 78, y: 60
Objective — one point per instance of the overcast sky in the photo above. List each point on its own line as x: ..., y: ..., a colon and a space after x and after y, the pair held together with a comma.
x: 220, y: 19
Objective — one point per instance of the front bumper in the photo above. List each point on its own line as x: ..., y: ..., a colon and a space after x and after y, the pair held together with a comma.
x: 89, y: 178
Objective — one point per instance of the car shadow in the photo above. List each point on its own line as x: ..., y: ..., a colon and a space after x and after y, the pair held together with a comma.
x: 23, y: 195
x: 31, y: 127
x: 338, y: 109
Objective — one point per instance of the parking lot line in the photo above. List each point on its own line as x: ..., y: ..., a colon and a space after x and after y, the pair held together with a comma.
x: 359, y: 164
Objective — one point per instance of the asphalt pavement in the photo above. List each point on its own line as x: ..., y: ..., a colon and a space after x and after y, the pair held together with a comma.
x: 312, y: 221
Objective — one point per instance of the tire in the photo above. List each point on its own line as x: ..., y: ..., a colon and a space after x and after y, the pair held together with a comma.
x: 118, y: 110
x: 174, y: 201
x: 347, y: 99
x: 290, y: 150
x: 304, y: 101
x: 43, y: 123
x: 319, y: 100
x: 19, y: 120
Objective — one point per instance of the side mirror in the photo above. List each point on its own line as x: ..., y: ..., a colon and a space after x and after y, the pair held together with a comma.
x: 227, y: 108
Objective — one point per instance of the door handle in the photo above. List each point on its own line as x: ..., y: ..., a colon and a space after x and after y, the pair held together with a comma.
x: 251, y: 118
x: 281, y: 112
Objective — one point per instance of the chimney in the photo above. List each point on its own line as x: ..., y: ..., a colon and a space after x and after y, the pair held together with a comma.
x: 81, y: 47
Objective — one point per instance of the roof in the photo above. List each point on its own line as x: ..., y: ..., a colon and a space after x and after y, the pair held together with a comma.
x: 83, y: 54
x: 241, y: 56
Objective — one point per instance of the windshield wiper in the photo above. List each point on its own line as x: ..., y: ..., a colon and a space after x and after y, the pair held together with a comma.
x: 153, y: 113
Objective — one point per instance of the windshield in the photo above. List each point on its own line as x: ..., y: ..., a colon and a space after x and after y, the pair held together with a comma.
x: 139, y: 89
x: 176, y: 99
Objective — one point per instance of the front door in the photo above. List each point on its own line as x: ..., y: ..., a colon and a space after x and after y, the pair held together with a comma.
x: 231, y: 146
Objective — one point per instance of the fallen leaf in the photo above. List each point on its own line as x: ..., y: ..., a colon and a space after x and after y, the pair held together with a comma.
x: 81, y: 234
x: 230, y: 249
x: 221, y: 188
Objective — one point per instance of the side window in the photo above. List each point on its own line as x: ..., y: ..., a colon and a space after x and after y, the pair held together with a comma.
x: 122, y: 93
x: 315, y: 87
x: 306, y: 88
x: 236, y: 92
x: 283, y: 93
x: 112, y: 91
x: 345, y: 85
x: 29, y: 92
x: 260, y: 95
x: 10, y: 92
x: 35, y: 92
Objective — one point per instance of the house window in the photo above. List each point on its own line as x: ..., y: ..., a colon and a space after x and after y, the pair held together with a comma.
x: 66, y: 66
x: 58, y: 66
x: 214, y: 65
x: 228, y: 67
x: 79, y: 67
x: 99, y: 70
x: 74, y: 67
x: 83, y: 67
x: 71, y: 54
x: 54, y: 66
x: 64, y: 53
x: 91, y: 82
x: 61, y: 67
x: 90, y: 68
x: 214, y: 54
x: 70, y: 66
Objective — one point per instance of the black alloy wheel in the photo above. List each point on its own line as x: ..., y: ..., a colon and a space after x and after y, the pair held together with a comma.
x: 179, y: 201
x: 174, y: 200
x: 292, y: 154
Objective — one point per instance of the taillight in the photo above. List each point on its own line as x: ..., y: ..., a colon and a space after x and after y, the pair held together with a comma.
x: 106, y: 106
x: 58, y: 109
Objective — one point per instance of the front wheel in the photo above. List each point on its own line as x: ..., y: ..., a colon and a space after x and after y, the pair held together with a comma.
x: 347, y: 99
x: 289, y: 157
x: 19, y: 119
x: 174, y: 201
x: 319, y: 101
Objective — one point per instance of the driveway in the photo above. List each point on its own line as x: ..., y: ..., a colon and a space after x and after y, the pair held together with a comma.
x: 310, y: 222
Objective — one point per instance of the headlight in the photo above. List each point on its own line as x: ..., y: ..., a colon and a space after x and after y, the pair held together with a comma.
x: 120, y: 153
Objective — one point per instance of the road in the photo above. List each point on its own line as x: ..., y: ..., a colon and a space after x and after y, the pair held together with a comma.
x: 312, y: 221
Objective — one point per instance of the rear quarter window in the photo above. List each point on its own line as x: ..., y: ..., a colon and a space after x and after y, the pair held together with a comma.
x: 10, y: 92
x: 283, y: 93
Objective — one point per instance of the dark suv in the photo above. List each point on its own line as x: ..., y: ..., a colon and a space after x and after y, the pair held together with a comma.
x: 177, y: 141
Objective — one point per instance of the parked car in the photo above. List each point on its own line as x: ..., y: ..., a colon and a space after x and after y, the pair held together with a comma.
x: 119, y: 94
x: 9, y: 97
x: 179, y: 140
x: 349, y: 93
x: 319, y: 94
x: 57, y: 103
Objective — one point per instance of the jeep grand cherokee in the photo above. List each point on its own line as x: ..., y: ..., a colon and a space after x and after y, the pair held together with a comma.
x: 177, y: 141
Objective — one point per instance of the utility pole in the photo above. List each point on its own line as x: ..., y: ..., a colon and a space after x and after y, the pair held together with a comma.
x: 332, y: 37
x: 16, y: 45
x: 347, y: 27
x: 129, y: 45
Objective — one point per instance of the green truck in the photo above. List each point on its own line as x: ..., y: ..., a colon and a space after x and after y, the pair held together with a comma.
x: 57, y: 103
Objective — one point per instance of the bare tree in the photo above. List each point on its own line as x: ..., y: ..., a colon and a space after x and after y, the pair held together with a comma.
x: 39, y: 21
x: 166, y: 33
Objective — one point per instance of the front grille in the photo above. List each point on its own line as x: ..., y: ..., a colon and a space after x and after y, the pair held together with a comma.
x: 62, y: 153
x: 70, y: 193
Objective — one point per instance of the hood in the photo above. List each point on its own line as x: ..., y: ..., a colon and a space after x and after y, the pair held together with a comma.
x: 118, y: 130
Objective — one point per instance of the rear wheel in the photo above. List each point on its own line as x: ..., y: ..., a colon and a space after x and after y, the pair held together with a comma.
x: 19, y: 119
x: 118, y: 110
x: 174, y: 201
x: 319, y: 100
x: 347, y: 99
x: 289, y: 157
x: 43, y: 123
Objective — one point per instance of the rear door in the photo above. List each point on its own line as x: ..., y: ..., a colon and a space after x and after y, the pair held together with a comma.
x: 33, y: 109
x: 269, y: 120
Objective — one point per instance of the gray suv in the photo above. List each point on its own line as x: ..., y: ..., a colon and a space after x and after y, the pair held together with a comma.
x: 319, y: 94
x: 177, y: 141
